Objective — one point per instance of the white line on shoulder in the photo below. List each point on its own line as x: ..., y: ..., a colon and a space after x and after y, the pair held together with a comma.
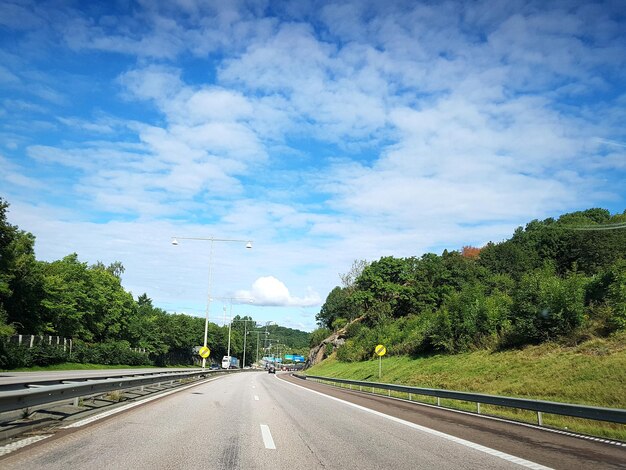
x: 463, y: 442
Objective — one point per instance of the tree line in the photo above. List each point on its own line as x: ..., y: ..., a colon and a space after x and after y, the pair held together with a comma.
x: 562, y: 279
x: 72, y: 299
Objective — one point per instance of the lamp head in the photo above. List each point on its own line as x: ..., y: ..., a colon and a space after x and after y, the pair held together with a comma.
x: 249, y: 245
x: 174, y: 242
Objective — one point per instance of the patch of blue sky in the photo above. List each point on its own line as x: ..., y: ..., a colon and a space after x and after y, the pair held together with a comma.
x: 200, y: 71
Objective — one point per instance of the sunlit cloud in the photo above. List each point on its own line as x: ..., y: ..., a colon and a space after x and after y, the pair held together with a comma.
x: 326, y: 131
x: 269, y: 291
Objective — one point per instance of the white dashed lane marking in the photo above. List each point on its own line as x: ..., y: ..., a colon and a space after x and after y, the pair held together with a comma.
x: 267, y: 437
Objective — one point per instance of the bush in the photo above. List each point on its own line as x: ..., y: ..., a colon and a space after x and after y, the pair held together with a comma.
x: 546, y: 307
x: 109, y: 353
x: 14, y: 356
x: 616, y: 295
x: 47, y: 355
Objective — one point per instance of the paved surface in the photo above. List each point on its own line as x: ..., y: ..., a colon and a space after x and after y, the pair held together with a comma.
x: 249, y: 421
x: 547, y: 448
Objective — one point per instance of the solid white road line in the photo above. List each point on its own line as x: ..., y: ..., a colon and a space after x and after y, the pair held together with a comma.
x: 463, y: 442
x: 267, y: 437
x: 13, y: 446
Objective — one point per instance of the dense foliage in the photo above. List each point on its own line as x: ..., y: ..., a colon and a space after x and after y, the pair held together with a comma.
x: 71, y: 299
x: 553, y: 279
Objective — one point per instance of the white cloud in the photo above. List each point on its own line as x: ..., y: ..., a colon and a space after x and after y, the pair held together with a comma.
x: 374, y: 129
x: 269, y: 291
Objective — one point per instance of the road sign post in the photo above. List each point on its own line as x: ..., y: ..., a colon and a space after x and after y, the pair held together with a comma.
x: 380, y: 350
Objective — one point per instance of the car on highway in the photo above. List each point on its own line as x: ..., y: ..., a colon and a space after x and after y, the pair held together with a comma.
x: 214, y: 367
x: 271, y: 370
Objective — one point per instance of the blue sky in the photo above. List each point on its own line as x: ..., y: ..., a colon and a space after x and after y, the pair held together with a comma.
x: 323, y: 131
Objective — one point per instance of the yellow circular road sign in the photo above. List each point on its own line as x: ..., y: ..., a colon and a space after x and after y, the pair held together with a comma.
x: 380, y: 350
x: 204, y: 352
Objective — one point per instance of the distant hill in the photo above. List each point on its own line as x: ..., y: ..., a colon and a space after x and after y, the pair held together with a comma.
x: 295, y: 339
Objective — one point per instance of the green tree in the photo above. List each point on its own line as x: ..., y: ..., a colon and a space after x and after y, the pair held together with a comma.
x: 21, y: 287
x: 85, y: 303
x: 339, y: 304
x: 546, y: 306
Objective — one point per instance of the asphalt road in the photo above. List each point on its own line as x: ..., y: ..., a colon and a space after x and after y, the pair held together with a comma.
x: 250, y: 421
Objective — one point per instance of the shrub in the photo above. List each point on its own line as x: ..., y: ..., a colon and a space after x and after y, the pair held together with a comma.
x: 13, y: 356
x: 109, y: 353
x: 616, y: 295
x: 546, y: 306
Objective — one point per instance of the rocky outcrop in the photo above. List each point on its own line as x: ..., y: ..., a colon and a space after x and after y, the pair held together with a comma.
x: 320, y: 352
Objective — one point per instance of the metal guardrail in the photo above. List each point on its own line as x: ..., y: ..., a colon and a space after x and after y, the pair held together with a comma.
x: 18, y: 383
x: 40, y: 394
x: 613, y: 415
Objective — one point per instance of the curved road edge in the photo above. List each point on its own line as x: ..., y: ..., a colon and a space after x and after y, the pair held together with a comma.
x: 529, y: 443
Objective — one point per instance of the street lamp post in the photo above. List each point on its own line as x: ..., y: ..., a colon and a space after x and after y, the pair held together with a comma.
x: 208, y: 307
x: 276, y: 346
x: 245, y: 323
x: 267, y: 323
x: 258, y: 333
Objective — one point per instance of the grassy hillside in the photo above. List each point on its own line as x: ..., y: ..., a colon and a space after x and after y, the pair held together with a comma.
x: 591, y: 373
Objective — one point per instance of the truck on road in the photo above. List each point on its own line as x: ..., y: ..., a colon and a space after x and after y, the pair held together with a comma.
x: 230, y: 362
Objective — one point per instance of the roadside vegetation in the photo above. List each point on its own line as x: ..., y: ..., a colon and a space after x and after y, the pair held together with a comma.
x: 554, y: 280
x: 589, y: 373
x: 541, y: 315
x: 71, y: 299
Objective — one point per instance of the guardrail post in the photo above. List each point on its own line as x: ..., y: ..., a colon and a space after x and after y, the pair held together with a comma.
x: 75, y: 401
x: 478, y: 408
x: 438, y: 401
x: 410, y: 396
x: 388, y: 393
x: 539, y: 418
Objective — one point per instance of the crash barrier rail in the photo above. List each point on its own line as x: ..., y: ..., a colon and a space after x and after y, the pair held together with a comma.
x: 42, y: 394
x: 17, y: 383
x: 613, y: 415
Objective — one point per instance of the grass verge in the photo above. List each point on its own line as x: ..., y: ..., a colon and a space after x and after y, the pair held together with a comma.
x: 591, y: 373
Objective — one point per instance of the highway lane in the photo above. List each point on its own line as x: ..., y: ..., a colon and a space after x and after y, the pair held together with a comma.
x: 552, y: 449
x: 250, y: 421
